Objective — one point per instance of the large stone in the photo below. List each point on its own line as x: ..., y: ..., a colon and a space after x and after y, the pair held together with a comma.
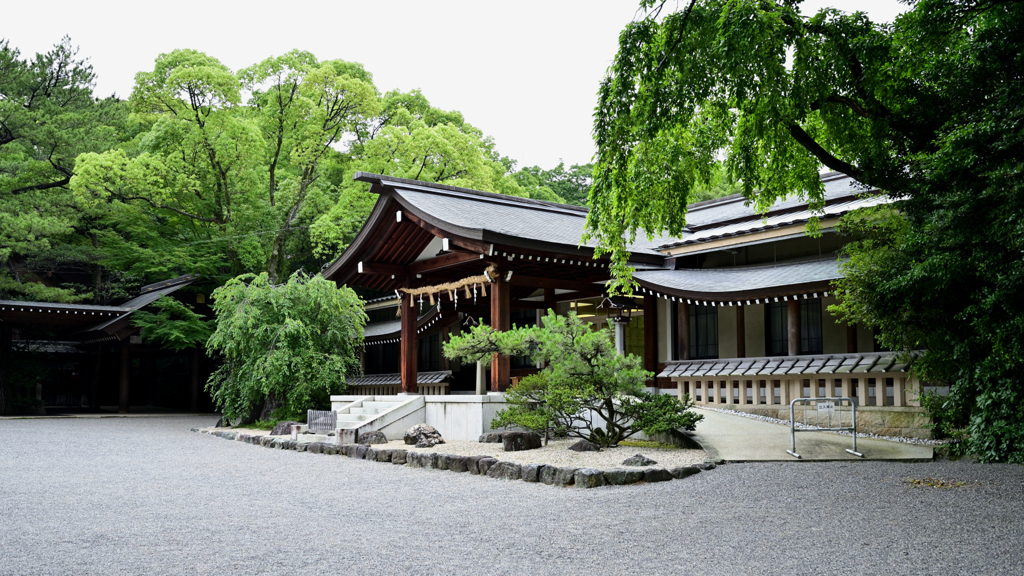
x: 301, y: 446
x: 473, y: 464
x: 457, y: 464
x: 332, y: 449
x: 423, y: 436
x: 656, y: 475
x: 428, y: 460
x: 531, y: 472
x: 638, y: 460
x: 441, y: 461
x: 383, y: 455
x: 399, y: 456
x: 315, y: 447
x: 371, y: 454
x: 519, y: 441
x: 222, y: 423
x: 621, y: 476
x: 372, y: 437
x: 491, y: 437
x: 585, y: 446
x: 361, y: 451
x: 589, y: 478
x: 413, y: 460
x: 265, y: 441
x: 505, y: 471
x: 284, y: 428
x: 706, y: 465
x: 546, y: 474
x: 683, y: 471
x: 484, y: 464
x: 565, y: 476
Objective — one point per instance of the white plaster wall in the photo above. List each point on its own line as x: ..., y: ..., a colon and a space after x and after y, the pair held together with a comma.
x: 754, y: 322
x: 665, y: 330
x: 462, y: 417
x: 727, y: 332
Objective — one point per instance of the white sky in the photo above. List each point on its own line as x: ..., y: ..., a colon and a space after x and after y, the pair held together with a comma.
x: 525, y: 72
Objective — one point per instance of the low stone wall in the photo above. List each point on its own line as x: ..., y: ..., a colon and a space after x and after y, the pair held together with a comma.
x: 477, y: 465
x: 898, y: 421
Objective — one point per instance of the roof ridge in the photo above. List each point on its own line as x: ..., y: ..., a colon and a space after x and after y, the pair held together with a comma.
x: 432, y: 186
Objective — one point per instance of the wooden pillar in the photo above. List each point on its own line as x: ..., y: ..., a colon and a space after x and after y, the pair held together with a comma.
x: 500, y: 321
x: 793, y: 322
x: 651, y: 338
x: 899, y: 391
x: 125, y: 373
x: 196, y: 363
x: 743, y: 392
x: 851, y: 338
x: 684, y: 330
x: 741, y: 332
x: 410, y: 314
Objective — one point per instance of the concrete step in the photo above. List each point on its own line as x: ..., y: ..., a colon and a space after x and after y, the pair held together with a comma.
x: 353, y: 417
x: 381, y: 406
x: 363, y: 411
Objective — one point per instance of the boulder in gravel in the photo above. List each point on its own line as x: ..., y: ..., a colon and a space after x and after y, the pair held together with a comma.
x: 585, y: 446
x: 473, y: 464
x: 505, y: 471
x: 315, y: 447
x: 383, y: 455
x: 265, y: 441
x: 519, y: 441
x: 638, y: 460
x: 565, y: 476
x: 683, y: 471
x: 491, y: 438
x: 589, y: 478
x: 531, y: 472
x: 457, y: 464
x: 546, y: 474
x: 332, y: 449
x: 284, y: 428
x: 222, y: 423
x: 706, y: 465
x: 441, y: 461
x: 427, y: 459
x: 301, y: 447
x: 657, y: 475
x: 371, y: 454
x: 399, y: 456
x: 372, y: 437
x: 484, y: 464
x: 361, y: 451
x: 423, y: 436
x: 622, y: 476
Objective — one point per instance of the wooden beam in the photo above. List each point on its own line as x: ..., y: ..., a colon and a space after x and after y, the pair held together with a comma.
x: 378, y: 269
x: 477, y: 246
x: 408, y: 344
x: 793, y: 321
x: 651, y: 337
x: 445, y: 261
x: 500, y: 321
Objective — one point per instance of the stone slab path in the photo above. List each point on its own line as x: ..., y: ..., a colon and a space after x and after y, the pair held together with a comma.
x: 740, y: 439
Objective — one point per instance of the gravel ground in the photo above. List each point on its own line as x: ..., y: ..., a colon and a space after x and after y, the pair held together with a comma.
x: 146, y: 496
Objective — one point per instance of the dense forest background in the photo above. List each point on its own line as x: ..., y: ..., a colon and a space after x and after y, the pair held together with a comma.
x: 205, y: 170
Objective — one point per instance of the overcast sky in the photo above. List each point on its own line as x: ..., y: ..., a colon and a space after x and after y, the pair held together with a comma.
x: 525, y: 72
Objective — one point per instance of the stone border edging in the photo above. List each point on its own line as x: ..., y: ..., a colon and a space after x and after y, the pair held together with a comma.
x: 476, y: 465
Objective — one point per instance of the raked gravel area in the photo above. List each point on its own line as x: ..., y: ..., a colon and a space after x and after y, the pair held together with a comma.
x: 147, y: 496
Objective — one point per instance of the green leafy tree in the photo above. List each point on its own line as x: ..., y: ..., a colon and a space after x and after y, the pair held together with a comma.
x: 287, y: 346
x: 48, y: 116
x: 584, y: 375
x: 173, y: 324
x: 927, y: 109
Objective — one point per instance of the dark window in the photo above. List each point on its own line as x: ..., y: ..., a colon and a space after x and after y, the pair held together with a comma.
x: 383, y: 358
x: 429, y: 358
x: 776, y: 329
x: 810, y: 326
x: 388, y: 314
x: 703, y: 331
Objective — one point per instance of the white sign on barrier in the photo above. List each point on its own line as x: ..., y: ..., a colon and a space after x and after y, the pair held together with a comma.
x: 826, y: 408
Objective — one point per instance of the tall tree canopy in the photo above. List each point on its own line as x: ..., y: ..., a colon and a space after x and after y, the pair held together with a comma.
x: 926, y: 109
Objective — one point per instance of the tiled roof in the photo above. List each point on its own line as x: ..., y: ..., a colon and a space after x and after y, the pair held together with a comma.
x: 865, y: 363
x: 740, y: 279
x: 47, y: 346
x: 396, y: 379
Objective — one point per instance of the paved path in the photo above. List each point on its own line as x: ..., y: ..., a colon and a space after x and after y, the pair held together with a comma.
x: 740, y: 439
x: 146, y: 496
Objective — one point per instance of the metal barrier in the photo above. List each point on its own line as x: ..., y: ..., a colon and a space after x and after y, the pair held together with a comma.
x: 825, y: 409
x: 321, y: 420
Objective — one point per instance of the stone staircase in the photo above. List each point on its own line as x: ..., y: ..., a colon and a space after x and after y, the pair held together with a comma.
x: 391, y: 415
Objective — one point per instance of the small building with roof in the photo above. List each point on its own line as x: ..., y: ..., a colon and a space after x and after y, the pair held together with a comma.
x: 733, y: 312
